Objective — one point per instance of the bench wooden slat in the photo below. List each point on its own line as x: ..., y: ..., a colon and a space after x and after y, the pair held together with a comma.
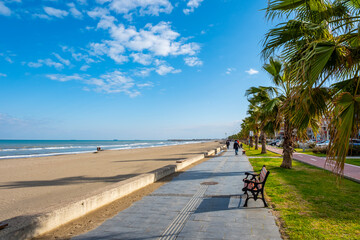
x: 255, y: 185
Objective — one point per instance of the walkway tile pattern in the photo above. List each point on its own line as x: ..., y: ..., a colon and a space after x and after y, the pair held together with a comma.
x: 350, y: 171
x: 186, y: 208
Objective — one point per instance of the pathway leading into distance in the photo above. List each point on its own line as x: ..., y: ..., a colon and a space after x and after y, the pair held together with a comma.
x: 350, y: 171
x: 191, y: 207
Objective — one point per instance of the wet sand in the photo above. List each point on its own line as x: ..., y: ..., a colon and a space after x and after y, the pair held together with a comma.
x: 33, y: 185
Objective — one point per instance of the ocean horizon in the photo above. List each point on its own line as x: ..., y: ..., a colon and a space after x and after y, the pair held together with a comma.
x: 40, y: 148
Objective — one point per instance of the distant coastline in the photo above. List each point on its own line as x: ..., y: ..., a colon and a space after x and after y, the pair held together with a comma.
x: 194, y: 140
x: 10, y: 149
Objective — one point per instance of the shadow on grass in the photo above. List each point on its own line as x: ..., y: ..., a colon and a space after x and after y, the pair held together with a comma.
x: 311, y: 202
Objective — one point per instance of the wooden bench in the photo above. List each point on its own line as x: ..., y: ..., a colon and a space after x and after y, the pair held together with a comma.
x: 255, y: 184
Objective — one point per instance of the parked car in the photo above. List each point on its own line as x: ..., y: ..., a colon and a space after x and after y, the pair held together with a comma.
x: 273, y: 143
x: 354, y: 145
x: 280, y: 143
x: 322, y: 144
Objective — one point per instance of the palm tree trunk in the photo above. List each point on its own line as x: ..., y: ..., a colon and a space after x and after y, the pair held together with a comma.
x: 263, y: 142
x: 288, y: 146
x: 256, y: 142
x: 251, y: 142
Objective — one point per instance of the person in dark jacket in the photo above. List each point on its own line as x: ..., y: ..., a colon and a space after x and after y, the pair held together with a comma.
x: 227, y: 143
x: 236, y: 147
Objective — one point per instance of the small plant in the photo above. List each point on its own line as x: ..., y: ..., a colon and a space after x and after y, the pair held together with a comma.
x: 324, y: 149
x: 312, y: 145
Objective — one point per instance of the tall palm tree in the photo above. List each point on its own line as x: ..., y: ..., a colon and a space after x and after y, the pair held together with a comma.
x: 285, y: 87
x: 320, y: 41
x: 259, y: 99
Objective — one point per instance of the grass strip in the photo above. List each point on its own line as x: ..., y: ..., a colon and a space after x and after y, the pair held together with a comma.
x: 309, y: 152
x: 353, y: 161
x: 309, y: 201
x: 251, y: 152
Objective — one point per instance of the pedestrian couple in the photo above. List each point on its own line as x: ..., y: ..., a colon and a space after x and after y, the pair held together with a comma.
x: 237, y: 145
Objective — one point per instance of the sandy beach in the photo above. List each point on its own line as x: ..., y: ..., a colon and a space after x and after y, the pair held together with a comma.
x: 33, y: 185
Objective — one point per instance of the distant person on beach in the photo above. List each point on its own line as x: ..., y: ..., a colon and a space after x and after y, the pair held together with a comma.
x: 236, y: 147
x: 241, y: 145
x: 227, y: 143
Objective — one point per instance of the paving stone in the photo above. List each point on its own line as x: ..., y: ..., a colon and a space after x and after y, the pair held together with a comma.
x: 199, y: 211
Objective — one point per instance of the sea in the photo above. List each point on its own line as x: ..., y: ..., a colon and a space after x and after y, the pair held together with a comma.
x: 41, y: 148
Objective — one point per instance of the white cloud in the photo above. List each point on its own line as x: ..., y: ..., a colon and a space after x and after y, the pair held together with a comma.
x: 41, y: 15
x: 9, y: 60
x: 144, y: 7
x: 143, y: 85
x: 62, y: 60
x: 98, y: 49
x: 115, y: 52
x: 84, y: 67
x: 144, y: 59
x: 48, y: 62
x: 164, y: 69
x: 193, y: 61
x: 74, y: 12
x: 252, y: 71
x: 3, y: 75
x: 64, y: 78
x: 157, y: 40
x: 192, y: 4
x: 77, y: 56
x: 82, y: 2
x: 35, y: 64
x: 6, y: 119
x: 4, y: 10
x: 229, y: 70
x: 113, y: 82
x: 143, y: 72
x: 55, y: 12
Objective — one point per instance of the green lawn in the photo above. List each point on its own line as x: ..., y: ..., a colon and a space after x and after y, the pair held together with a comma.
x: 251, y: 152
x: 309, y: 152
x: 310, y: 203
x: 353, y: 161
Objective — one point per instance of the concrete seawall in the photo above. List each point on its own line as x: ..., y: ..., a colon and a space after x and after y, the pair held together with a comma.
x: 27, y: 227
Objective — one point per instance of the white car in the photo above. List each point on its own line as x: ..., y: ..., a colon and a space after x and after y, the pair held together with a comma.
x: 279, y: 143
x: 323, y: 144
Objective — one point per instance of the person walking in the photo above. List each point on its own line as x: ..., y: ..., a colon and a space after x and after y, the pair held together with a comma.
x: 227, y: 143
x: 236, y: 147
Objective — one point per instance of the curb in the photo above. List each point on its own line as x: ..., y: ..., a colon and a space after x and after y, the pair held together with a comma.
x: 32, y: 226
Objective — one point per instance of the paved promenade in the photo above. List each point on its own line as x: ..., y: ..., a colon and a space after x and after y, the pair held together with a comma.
x: 350, y: 171
x: 189, y: 208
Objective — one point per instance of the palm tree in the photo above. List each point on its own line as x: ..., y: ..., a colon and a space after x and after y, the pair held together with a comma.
x: 284, y: 102
x: 320, y: 42
x: 259, y: 109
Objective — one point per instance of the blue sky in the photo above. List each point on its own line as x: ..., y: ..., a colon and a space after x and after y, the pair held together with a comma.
x: 128, y: 69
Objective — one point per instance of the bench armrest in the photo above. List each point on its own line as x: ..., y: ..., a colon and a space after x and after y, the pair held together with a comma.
x: 254, y: 174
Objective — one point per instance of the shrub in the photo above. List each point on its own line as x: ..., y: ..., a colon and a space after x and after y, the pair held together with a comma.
x: 312, y: 145
x: 320, y: 149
